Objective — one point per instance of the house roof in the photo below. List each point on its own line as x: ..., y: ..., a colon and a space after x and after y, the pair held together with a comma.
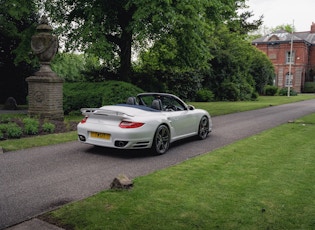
x: 282, y: 36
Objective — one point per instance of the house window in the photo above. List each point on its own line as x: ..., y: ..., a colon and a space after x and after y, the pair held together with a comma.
x: 288, y: 79
x: 290, y: 58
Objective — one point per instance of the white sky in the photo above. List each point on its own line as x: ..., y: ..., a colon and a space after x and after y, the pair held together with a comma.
x: 279, y: 12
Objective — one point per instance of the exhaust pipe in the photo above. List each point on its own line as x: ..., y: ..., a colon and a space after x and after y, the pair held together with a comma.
x: 121, y: 144
x: 82, y: 138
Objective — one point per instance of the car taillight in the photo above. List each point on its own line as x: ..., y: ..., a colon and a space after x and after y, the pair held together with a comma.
x: 84, y: 120
x: 130, y: 124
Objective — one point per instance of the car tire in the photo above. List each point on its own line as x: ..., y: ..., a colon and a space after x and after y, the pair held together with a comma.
x: 161, y: 140
x: 203, y: 129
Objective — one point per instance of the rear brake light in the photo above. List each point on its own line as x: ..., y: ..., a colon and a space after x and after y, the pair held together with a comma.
x: 130, y: 124
x: 84, y: 120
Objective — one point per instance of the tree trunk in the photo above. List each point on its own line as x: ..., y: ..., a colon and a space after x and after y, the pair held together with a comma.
x: 124, y: 19
x: 125, y: 56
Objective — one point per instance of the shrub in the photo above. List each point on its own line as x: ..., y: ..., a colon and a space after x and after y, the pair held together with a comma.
x: 5, y: 118
x: 118, y: 92
x: 183, y: 84
x: 204, y: 95
x: 3, y: 128
x: 229, y: 92
x: 14, y: 131
x: 284, y: 92
x: 309, y: 87
x: 1, y: 135
x: 254, y: 96
x: 48, y: 127
x: 95, y: 94
x: 31, y: 126
x: 270, y: 90
x: 80, y: 95
x: 246, y: 91
x: 148, y: 81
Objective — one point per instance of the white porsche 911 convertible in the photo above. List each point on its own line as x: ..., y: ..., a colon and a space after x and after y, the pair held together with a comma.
x: 149, y: 120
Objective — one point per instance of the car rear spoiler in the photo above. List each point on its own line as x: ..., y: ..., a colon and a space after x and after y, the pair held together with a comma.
x: 105, y: 112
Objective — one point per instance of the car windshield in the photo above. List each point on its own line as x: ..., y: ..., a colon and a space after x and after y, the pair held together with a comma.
x: 161, y: 102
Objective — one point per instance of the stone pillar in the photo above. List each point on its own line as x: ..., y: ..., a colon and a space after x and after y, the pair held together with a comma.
x: 45, y: 93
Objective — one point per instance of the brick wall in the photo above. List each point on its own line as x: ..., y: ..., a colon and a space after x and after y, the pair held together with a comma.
x: 304, y: 54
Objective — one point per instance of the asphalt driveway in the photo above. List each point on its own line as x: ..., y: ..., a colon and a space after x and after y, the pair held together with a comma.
x: 36, y: 180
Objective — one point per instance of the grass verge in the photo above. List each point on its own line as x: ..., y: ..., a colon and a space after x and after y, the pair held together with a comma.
x: 36, y: 141
x: 266, y: 181
x: 220, y: 108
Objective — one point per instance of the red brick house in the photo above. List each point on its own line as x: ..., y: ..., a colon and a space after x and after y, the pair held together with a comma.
x: 277, y: 46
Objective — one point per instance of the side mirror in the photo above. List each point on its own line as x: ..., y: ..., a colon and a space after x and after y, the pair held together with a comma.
x: 191, y: 107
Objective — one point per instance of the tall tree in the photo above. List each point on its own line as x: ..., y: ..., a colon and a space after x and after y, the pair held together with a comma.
x: 286, y: 27
x: 73, y: 67
x: 230, y: 77
x: 110, y: 28
x: 17, y: 25
x: 262, y: 70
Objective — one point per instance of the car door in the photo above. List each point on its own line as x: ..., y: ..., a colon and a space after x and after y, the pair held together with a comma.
x: 181, y: 119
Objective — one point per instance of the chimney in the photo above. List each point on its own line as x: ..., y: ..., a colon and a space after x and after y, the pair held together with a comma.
x: 313, y: 27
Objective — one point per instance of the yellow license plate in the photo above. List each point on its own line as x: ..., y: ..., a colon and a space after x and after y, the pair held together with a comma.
x: 105, y: 136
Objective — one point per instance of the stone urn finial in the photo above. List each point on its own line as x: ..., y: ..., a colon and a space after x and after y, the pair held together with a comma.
x: 44, y: 46
x: 45, y: 93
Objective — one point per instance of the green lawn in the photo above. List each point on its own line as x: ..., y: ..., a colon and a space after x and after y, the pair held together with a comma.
x: 266, y: 181
x: 36, y: 141
x: 220, y: 108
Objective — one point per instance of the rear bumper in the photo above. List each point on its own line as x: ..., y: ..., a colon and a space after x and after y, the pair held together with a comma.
x: 137, y: 138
